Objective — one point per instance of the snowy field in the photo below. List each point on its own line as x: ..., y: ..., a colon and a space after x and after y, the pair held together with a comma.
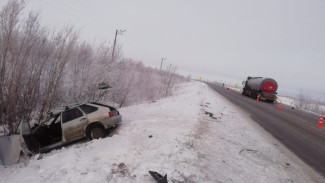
x: 194, y: 136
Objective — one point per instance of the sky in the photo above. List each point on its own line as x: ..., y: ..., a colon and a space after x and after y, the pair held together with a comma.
x: 218, y: 40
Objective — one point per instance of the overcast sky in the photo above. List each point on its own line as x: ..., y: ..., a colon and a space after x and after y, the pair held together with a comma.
x: 224, y: 40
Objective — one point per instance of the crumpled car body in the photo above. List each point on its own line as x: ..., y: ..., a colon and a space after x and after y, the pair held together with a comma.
x: 73, y: 123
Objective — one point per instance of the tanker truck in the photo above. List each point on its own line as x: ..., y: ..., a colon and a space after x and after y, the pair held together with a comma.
x: 264, y: 88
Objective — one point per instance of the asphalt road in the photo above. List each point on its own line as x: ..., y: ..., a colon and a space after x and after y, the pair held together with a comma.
x: 296, y: 129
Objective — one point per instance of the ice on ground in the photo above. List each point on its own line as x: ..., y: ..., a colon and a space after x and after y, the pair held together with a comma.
x: 193, y: 136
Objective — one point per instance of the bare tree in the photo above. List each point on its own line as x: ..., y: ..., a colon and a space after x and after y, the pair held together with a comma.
x: 9, y: 18
x: 169, y: 79
x: 63, y: 43
x: 42, y: 69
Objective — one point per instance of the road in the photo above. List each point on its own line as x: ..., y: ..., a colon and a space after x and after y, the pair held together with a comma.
x: 296, y: 129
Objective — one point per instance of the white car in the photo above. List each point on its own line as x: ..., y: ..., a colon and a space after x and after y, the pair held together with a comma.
x: 73, y: 123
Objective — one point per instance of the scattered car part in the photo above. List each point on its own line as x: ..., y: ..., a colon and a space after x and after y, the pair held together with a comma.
x: 103, y: 86
x: 159, y: 178
x: 211, y: 115
x: 9, y: 150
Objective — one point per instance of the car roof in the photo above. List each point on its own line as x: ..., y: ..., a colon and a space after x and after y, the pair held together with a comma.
x: 72, y: 106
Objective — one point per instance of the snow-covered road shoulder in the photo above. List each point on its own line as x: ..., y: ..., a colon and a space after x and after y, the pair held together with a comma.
x: 193, y: 136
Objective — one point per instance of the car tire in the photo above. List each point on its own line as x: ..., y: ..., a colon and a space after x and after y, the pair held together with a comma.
x: 96, y: 132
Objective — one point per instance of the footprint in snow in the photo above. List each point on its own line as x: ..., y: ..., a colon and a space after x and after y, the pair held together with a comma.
x: 255, y: 156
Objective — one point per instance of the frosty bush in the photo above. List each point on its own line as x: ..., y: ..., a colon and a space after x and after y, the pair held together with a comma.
x: 305, y: 102
x: 41, y: 69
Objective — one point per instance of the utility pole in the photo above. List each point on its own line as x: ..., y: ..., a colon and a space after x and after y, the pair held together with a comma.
x: 170, y: 66
x: 162, y: 60
x: 117, y: 32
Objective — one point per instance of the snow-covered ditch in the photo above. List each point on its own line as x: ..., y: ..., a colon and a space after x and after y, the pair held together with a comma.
x: 193, y: 136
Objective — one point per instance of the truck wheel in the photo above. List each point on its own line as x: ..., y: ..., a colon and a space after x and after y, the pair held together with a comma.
x: 96, y: 132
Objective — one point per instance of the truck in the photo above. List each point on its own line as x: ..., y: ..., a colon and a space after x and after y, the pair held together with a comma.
x: 260, y: 87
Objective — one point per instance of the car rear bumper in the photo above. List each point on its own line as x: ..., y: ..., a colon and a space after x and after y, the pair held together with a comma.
x: 111, y: 121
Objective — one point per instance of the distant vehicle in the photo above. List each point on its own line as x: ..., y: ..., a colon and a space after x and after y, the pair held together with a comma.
x: 70, y: 124
x: 264, y: 88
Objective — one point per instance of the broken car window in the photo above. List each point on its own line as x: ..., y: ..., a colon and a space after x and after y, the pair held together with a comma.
x: 88, y: 109
x: 71, y: 115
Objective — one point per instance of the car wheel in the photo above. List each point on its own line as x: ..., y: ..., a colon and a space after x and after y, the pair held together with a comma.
x: 96, y: 132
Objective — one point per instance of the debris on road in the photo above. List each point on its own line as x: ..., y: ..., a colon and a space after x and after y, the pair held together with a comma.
x: 211, y: 115
x: 159, y: 178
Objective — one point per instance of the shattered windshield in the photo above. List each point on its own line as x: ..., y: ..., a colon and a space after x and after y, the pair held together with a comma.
x: 52, y: 120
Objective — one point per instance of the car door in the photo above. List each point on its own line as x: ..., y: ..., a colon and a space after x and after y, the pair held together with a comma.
x: 25, y: 135
x: 73, y: 123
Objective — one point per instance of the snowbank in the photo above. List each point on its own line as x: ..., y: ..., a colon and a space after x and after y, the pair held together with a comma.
x: 311, y: 106
x: 287, y: 101
x: 2, y: 130
x: 193, y: 136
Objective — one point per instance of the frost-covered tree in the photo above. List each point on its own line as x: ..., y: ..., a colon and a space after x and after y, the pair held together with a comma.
x: 42, y: 69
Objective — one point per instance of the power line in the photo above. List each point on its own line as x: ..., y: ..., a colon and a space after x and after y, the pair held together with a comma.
x: 74, y: 7
x: 92, y: 21
x: 92, y: 17
x: 84, y: 9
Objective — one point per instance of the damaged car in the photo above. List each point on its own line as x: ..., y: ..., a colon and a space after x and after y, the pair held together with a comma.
x: 70, y: 124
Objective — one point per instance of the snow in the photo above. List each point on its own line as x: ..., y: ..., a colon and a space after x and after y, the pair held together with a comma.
x: 311, y: 106
x: 287, y: 101
x: 2, y: 130
x: 175, y: 136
